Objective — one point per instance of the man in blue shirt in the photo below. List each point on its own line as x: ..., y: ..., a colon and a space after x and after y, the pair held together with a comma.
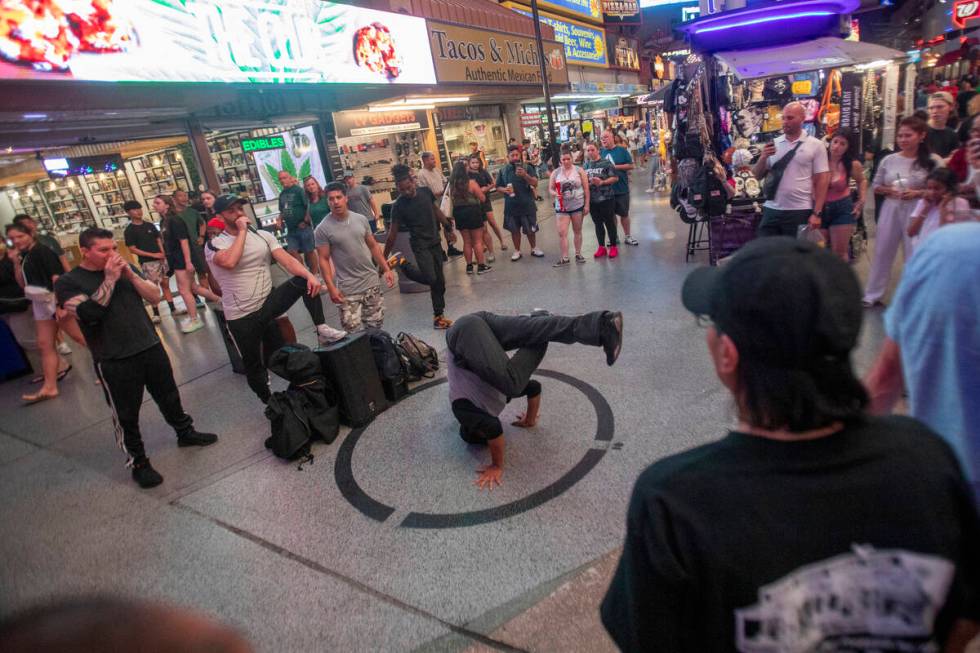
x: 518, y: 187
x: 933, y: 344
x: 620, y: 158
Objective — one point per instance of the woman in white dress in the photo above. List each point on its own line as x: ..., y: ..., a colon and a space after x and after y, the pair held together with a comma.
x: 901, y: 179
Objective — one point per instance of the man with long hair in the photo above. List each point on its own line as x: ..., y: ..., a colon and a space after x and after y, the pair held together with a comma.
x: 811, y: 526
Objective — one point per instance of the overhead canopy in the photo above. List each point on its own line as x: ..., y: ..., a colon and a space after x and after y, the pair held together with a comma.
x: 825, y: 52
x: 657, y: 96
x: 600, y: 104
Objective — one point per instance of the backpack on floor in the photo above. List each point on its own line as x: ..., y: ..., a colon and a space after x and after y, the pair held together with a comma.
x: 389, y: 362
x: 419, y: 359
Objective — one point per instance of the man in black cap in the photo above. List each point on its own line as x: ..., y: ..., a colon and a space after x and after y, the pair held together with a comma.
x: 240, y: 258
x: 812, y: 526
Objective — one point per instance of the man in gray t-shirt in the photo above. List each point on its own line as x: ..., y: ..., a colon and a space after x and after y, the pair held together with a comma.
x: 359, y: 200
x: 346, y: 247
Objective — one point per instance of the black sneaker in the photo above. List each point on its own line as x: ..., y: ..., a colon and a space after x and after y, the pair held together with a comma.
x: 611, y: 332
x: 469, y: 268
x: 145, y: 476
x: 483, y: 269
x: 196, y: 439
x: 452, y: 251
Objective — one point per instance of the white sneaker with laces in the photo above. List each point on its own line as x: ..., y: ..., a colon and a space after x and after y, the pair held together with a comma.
x: 516, y: 256
x: 537, y: 253
x: 326, y: 334
x: 64, y: 349
x: 190, y: 326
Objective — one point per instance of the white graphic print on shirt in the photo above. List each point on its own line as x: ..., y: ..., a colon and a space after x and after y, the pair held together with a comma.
x: 873, y: 599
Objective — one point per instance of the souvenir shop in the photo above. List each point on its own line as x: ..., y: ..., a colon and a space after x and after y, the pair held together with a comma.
x: 480, y: 124
x: 726, y: 104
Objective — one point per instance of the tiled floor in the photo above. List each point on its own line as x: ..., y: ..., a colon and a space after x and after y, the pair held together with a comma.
x: 235, y: 532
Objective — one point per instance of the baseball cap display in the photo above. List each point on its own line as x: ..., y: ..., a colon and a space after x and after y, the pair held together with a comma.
x: 784, y: 302
x: 225, y: 202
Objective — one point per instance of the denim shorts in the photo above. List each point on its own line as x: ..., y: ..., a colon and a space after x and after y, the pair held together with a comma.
x: 838, y: 213
x: 300, y: 240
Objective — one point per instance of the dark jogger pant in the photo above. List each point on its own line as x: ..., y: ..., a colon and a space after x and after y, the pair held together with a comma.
x: 480, y: 342
x: 604, y: 216
x: 257, y: 335
x: 428, y: 271
x: 123, y: 382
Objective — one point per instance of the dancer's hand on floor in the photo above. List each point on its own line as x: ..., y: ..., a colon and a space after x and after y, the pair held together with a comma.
x: 489, y: 477
x: 523, y: 422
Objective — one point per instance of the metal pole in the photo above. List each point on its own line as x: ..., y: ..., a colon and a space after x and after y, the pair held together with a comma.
x: 545, y: 86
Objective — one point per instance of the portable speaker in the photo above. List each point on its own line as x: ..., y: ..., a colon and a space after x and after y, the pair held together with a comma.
x: 349, y: 365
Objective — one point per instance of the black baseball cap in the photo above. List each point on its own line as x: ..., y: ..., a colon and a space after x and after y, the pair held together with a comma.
x: 225, y: 202
x: 784, y: 302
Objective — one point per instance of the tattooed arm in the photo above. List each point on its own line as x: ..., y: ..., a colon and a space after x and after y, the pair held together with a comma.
x: 91, y: 308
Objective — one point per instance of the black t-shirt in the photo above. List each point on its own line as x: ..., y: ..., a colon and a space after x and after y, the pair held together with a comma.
x: 174, y: 231
x: 51, y: 243
x: 142, y: 236
x: 119, y: 330
x: 9, y: 288
x: 942, y: 141
x: 39, y: 265
x: 752, y: 544
x: 417, y: 216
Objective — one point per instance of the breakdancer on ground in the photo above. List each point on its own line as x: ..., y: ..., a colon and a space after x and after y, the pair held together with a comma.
x: 482, y: 378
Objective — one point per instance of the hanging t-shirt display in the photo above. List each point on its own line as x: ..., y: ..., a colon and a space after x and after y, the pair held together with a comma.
x: 804, y: 84
x: 773, y: 121
x: 748, y: 121
x: 776, y: 89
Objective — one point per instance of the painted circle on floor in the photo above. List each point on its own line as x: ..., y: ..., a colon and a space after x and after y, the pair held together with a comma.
x: 378, y: 511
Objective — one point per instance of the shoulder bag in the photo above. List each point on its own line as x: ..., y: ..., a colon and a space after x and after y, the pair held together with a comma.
x: 775, y: 175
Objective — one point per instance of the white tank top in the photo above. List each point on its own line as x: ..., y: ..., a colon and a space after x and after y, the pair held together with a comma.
x: 569, y: 193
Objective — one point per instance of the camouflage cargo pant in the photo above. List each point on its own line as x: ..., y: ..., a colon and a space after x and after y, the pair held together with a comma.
x: 366, y: 309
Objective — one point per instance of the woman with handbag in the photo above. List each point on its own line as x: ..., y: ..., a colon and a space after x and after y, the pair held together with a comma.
x: 840, y: 213
x: 901, y: 180
x: 36, y: 268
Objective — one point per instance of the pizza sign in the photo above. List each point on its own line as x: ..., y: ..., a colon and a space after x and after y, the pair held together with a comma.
x: 965, y: 10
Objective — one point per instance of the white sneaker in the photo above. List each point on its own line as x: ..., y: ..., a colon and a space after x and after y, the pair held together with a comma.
x: 516, y: 256
x: 326, y: 334
x: 64, y: 349
x: 190, y: 326
x: 180, y: 311
x: 537, y: 253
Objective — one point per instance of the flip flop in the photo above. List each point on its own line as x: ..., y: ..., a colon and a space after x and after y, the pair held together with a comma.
x: 35, y: 398
x: 61, y: 374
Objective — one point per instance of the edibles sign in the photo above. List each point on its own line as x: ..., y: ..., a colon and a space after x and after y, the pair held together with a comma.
x: 241, y: 41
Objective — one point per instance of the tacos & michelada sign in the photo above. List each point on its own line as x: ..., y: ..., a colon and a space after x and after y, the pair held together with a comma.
x: 471, y: 56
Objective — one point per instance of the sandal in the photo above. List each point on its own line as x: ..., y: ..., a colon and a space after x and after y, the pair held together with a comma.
x: 37, y: 397
x: 61, y: 374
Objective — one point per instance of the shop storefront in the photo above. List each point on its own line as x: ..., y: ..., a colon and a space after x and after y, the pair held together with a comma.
x: 482, y: 124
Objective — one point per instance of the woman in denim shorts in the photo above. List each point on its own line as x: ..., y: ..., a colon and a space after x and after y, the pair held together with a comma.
x: 840, y: 212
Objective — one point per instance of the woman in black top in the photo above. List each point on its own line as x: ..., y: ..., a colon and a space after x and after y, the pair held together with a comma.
x: 208, y: 198
x: 176, y: 245
x: 468, y: 214
x: 479, y: 174
x: 36, y: 268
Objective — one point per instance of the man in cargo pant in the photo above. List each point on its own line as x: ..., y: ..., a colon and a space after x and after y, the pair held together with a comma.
x: 482, y: 378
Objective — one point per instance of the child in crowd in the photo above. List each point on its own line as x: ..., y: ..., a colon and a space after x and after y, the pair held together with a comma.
x: 939, y: 207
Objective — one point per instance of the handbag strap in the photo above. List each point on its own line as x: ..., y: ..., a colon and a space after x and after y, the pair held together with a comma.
x: 780, y: 165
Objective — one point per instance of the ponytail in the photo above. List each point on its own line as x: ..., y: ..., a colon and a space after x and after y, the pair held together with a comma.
x: 923, y: 158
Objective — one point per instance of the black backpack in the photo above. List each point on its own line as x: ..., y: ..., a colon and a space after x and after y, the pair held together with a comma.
x: 307, y: 409
x: 390, y: 365
x: 707, y: 192
x: 419, y: 359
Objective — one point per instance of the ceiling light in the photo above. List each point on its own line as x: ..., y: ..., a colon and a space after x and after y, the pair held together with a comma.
x: 35, y: 116
x: 411, y: 101
x: 399, y: 107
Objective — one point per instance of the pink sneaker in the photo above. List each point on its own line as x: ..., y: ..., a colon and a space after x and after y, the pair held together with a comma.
x: 613, y: 252
x: 599, y: 253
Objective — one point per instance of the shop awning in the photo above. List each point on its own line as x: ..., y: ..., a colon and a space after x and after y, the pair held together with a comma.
x: 657, y: 96
x: 826, y: 52
x: 600, y: 104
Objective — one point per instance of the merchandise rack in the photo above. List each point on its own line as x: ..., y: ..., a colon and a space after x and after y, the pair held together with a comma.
x: 159, y: 173
x: 108, y: 192
x: 28, y: 199
x: 67, y: 202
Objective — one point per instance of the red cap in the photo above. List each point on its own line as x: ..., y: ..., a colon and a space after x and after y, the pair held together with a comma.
x: 216, y: 223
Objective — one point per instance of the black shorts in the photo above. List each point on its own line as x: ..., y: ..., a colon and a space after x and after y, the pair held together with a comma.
x: 176, y: 262
x: 477, y: 426
x: 470, y: 216
x: 487, y: 207
x: 622, y: 205
x: 197, y: 259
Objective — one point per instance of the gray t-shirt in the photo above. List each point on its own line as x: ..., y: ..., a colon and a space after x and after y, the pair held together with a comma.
x: 464, y: 384
x: 245, y: 287
x: 359, y: 201
x: 349, y: 252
